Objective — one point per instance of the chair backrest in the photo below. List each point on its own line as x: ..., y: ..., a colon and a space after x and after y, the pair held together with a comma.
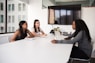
x: 93, y: 51
x: 4, y: 39
x: 9, y: 37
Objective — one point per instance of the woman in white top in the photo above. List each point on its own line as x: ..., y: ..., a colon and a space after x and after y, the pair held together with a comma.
x: 36, y: 30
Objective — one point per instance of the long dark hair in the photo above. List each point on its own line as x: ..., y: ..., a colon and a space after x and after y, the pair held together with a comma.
x: 81, y: 25
x: 36, y: 20
x: 21, y: 29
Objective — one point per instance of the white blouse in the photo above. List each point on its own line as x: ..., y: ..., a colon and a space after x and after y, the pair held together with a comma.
x: 38, y: 32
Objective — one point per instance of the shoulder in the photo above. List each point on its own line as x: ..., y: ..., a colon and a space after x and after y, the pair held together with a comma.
x: 17, y: 31
x: 32, y: 29
x: 82, y: 31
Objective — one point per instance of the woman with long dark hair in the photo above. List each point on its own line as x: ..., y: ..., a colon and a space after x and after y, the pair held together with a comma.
x: 36, y: 30
x: 22, y: 32
x: 80, y: 36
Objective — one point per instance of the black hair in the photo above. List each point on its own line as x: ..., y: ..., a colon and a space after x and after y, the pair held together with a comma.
x: 36, y: 20
x: 21, y: 29
x: 81, y: 25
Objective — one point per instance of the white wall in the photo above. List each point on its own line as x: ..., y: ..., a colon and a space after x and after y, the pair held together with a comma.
x: 88, y: 15
x: 35, y: 11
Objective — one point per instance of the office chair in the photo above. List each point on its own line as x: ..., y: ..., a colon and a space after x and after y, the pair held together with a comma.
x: 85, y: 60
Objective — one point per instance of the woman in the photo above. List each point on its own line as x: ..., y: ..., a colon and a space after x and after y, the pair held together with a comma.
x: 36, y: 30
x: 82, y: 36
x: 22, y: 32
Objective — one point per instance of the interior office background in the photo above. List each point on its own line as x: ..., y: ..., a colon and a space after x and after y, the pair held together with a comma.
x: 34, y: 10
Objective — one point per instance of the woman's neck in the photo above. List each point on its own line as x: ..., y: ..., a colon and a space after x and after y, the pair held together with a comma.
x: 37, y: 27
x: 24, y: 30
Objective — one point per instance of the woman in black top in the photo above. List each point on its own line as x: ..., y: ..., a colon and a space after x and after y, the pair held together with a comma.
x: 22, y: 32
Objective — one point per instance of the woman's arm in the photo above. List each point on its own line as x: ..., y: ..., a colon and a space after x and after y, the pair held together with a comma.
x: 76, y: 39
x: 43, y: 32
x: 30, y: 34
x: 69, y: 37
x: 14, y: 36
x: 34, y: 33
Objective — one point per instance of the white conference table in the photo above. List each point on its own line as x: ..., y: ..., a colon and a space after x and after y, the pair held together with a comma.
x: 35, y: 50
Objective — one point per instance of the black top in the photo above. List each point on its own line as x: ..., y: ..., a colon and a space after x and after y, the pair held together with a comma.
x: 21, y: 36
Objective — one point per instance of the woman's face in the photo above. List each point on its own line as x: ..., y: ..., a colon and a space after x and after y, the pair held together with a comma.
x: 24, y: 26
x: 37, y: 24
x: 74, y: 25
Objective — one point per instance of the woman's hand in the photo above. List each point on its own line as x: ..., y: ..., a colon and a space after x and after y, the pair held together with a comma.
x: 54, y: 41
x: 43, y: 35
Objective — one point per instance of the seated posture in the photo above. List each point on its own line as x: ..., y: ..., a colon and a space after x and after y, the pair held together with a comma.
x: 22, y: 32
x: 82, y: 37
x: 36, y: 30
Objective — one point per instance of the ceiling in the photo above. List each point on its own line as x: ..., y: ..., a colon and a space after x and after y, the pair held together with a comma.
x: 27, y: 1
x: 68, y: 2
x: 46, y: 3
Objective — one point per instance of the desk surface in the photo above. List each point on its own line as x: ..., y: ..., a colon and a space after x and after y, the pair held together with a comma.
x: 35, y: 50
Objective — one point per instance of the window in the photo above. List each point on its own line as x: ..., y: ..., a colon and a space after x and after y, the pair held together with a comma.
x: 64, y: 15
x: 13, y: 7
x: 13, y: 12
x: 1, y: 29
x: 24, y: 6
x: 19, y: 7
x: 19, y: 18
x: 13, y: 29
x: 9, y: 7
x: 70, y: 16
x: 13, y: 19
x: 1, y: 6
x: 9, y: 19
x: 1, y: 18
x: 9, y: 29
x: 57, y: 16
x: 24, y: 17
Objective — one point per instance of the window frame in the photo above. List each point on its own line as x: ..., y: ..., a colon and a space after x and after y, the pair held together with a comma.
x: 2, y: 6
x: 6, y: 22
